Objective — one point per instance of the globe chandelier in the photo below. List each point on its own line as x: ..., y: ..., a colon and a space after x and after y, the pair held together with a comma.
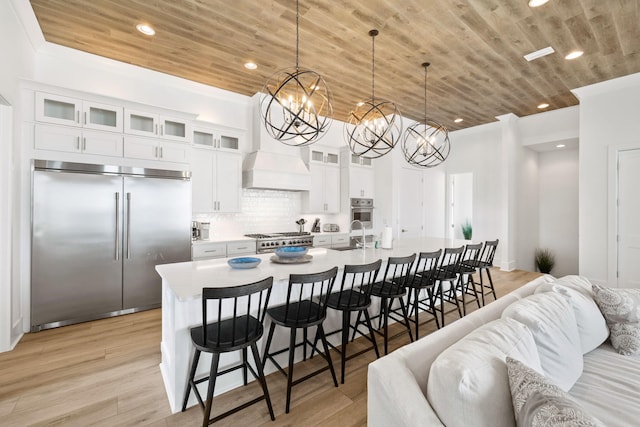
x: 374, y: 127
x: 296, y: 103
x: 426, y: 144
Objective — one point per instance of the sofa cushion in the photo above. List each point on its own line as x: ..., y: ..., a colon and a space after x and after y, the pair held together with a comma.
x: 539, y: 402
x: 592, y: 327
x: 577, y: 283
x: 621, y: 309
x: 468, y: 382
x: 550, y: 318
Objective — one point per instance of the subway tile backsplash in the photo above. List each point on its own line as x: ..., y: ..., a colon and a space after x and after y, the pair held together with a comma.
x: 263, y: 211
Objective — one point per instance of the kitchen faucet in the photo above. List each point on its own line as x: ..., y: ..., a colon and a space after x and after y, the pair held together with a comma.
x: 364, y: 240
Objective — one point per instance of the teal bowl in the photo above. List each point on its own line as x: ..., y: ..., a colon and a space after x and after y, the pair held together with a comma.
x: 291, y: 252
x: 244, y: 263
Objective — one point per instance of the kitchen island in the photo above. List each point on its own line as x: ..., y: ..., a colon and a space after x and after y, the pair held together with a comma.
x: 182, y: 285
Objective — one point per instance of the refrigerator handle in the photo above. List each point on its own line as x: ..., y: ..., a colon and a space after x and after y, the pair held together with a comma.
x: 117, y: 255
x: 128, y: 225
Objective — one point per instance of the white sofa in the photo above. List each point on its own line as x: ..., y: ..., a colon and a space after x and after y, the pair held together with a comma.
x: 456, y: 376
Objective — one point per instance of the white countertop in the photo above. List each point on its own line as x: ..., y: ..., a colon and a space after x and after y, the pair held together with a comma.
x: 187, y: 279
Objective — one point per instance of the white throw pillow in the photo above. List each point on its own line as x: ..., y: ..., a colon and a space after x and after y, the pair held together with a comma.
x: 621, y: 309
x: 577, y: 283
x: 592, y: 327
x: 537, y: 402
x: 468, y: 384
x: 553, y: 324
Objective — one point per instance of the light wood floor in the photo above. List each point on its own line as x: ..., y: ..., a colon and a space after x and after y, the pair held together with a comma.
x: 106, y: 373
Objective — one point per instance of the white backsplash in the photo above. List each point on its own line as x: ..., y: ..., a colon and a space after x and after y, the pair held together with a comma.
x: 264, y: 211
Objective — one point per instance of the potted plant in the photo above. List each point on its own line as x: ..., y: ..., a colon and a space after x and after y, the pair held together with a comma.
x: 467, y: 230
x: 545, y: 260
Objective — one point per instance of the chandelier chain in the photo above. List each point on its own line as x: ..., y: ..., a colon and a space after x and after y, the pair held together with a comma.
x: 425, y: 92
x: 373, y: 66
x: 297, y: 33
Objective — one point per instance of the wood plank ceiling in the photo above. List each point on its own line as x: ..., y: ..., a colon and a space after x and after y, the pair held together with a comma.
x: 475, y: 47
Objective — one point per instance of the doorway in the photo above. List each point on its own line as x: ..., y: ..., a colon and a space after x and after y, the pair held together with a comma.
x: 410, y: 203
x: 460, y: 204
x: 628, y: 239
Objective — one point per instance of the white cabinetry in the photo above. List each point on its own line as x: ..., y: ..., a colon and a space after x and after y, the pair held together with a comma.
x: 216, y: 180
x: 330, y: 240
x: 357, y: 176
x: 75, y: 140
x: 324, y: 165
x: 144, y: 123
x: 206, y: 135
x: 155, y: 149
x: 242, y: 247
x: 321, y: 241
x: 211, y: 250
x: 64, y: 110
x: 340, y: 240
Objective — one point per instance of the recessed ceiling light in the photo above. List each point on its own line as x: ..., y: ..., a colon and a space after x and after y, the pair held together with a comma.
x: 145, y: 29
x: 458, y: 120
x: 575, y: 54
x: 539, y: 53
x: 536, y: 3
x: 543, y: 106
x: 360, y: 104
x: 560, y: 146
x: 250, y: 65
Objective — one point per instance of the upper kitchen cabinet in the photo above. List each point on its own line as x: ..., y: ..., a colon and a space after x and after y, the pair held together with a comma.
x: 357, y: 176
x: 145, y: 123
x: 216, y: 180
x: 64, y: 110
x: 324, y: 165
x: 75, y: 140
x: 206, y: 135
x: 155, y: 149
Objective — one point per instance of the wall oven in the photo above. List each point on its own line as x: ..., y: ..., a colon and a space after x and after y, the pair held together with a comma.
x: 362, y: 210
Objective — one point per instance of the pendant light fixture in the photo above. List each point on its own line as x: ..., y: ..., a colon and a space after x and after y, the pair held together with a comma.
x: 374, y: 127
x: 296, y: 106
x: 426, y: 144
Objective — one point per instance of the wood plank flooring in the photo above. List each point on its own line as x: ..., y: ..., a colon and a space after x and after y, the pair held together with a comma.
x: 105, y: 373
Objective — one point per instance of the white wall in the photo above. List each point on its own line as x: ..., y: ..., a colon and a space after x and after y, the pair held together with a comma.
x: 527, y: 209
x: 17, y: 62
x: 609, y: 119
x: 558, y: 199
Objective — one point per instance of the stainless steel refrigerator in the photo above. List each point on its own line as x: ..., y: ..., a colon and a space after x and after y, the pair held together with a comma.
x: 97, y: 234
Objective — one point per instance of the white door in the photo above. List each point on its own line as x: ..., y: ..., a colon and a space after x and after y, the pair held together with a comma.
x: 460, y: 188
x: 410, y: 203
x: 628, y: 214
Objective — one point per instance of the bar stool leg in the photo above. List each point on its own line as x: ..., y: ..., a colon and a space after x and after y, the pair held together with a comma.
x: 373, y: 338
x: 292, y: 351
x: 326, y: 352
x: 346, y: 317
x: 213, y: 374
x: 261, y: 378
x: 266, y: 348
x: 244, y: 365
x: 192, y: 374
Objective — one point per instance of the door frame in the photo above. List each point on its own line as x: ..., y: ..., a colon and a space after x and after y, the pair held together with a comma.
x: 612, y: 209
x: 6, y: 239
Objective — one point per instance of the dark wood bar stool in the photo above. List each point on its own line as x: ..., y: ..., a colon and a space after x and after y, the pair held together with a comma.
x: 392, y: 287
x: 354, y: 296
x: 247, y: 305
x: 301, y: 312
x: 423, y: 280
x: 448, y: 273
x: 465, y: 278
x: 484, y: 263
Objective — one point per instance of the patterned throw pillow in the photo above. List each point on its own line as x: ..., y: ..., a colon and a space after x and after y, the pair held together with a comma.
x: 621, y: 310
x: 537, y: 402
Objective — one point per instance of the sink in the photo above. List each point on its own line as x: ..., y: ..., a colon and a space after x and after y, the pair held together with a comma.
x: 344, y: 248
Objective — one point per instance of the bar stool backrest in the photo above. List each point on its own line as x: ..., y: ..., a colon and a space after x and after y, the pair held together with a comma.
x: 450, y: 264
x: 355, y: 288
x: 302, y: 287
x: 426, y: 268
x: 471, y: 254
x: 396, y: 275
x: 488, y: 252
x: 238, y: 314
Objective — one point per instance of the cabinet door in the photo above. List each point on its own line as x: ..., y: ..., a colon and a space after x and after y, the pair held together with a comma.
x: 57, y: 109
x: 367, y: 184
x: 340, y: 240
x: 322, y: 241
x: 313, y: 200
x: 174, y: 129
x: 140, y: 123
x: 58, y: 138
x: 332, y: 189
x: 228, y: 181
x: 102, y: 117
x: 208, y: 251
x: 173, y: 152
x: 241, y: 248
x: 102, y: 143
x: 140, y: 148
x: 361, y: 182
x: 202, y: 172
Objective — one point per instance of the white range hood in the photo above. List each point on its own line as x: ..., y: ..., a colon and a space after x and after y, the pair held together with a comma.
x: 273, y: 165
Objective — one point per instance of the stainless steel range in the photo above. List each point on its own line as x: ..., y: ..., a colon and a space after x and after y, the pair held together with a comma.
x: 270, y: 242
